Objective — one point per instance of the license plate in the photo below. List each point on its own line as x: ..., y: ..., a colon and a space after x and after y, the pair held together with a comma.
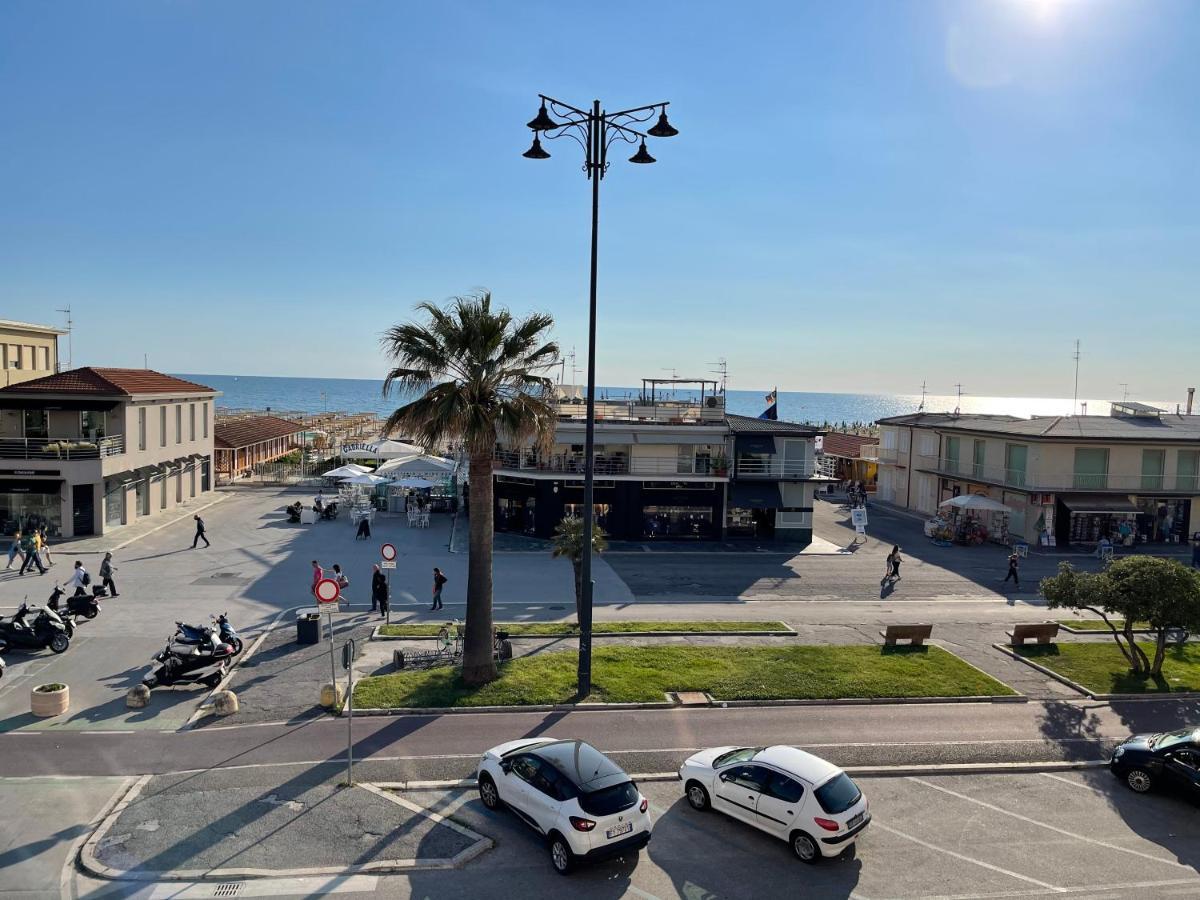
x: 618, y: 830
x: 855, y: 821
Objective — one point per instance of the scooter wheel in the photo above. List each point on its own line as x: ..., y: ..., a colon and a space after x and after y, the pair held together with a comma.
x: 236, y: 644
x: 213, y: 680
x: 92, y: 612
x: 60, y: 642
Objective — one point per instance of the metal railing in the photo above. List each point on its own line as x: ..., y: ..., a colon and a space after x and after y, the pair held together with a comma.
x: 607, y: 464
x: 61, y: 447
x: 777, y: 467
x: 888, y: 454
x: 666, y: 413
x: 1060, y: 481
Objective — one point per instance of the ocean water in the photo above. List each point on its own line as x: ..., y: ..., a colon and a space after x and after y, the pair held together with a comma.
x: 312, y: 395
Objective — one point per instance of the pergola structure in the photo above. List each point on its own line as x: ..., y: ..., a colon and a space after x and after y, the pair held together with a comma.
x: 242, y: 443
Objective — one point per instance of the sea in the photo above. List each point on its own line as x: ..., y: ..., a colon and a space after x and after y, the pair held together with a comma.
x: 312, y: 395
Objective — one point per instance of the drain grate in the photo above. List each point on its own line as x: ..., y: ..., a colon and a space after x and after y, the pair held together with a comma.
x: 228, y: 889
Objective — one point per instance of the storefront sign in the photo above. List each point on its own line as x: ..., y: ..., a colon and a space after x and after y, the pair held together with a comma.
x: 51, y: 472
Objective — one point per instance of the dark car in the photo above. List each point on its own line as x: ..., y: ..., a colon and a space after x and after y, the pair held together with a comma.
x: 1170, y: 759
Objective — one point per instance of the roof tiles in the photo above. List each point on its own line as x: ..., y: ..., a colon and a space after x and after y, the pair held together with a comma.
x: 108, y: 382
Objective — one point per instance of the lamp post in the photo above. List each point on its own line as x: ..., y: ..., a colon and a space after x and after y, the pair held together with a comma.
x: 595, y: 131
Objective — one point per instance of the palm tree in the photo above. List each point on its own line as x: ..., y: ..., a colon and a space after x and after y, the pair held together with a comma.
x: 481, y: 374
x: 568, y: 542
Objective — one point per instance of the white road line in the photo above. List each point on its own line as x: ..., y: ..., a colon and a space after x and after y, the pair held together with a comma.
x: 1089, y: 889
x: 130, y: 731
x: 1054, y: 828
x: 1075, y: 784
x: 968, y: 859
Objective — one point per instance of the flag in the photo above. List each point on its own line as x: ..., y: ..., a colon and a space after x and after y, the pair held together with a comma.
x: 772, y: 410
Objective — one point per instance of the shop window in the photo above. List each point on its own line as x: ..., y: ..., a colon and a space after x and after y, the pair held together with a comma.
x: 1187, y: 470
x: 114, y: 502
x: 600, y: 513
x: 1091, y: 468
x: 1153, y: 463
x: 30, y: 509
x: 677, y: 521
x: 37, y: 424
x: 515, y: 515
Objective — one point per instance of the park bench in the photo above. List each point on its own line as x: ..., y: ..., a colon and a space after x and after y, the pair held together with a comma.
x: 1043, y: 633
x: 914, y: 633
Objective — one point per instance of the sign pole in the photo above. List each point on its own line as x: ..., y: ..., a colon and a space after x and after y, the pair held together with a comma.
x: 388, y: 614
x: 332, y: 664
x: 348, y: 665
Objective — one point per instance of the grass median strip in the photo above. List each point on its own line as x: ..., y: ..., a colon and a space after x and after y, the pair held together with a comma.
x: 644, y: 674
x: 554, y: 629
x: 1102, y: 669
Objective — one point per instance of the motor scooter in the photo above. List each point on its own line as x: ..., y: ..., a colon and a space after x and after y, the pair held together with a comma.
x: 188, y: 664
x: 84, y: 605
x: 205, y: 636
x: 47, y: 629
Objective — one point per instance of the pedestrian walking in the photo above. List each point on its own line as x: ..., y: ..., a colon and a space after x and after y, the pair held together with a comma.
x: 45, y: 548
x: 379, y: 591
x: 364, y: 529
x: 200, y: 535
x: 1196, y: 550
x: 79, y: 579
x: 1013, y: 562
x: 439, y: 580
x: 29, y: 548
x: 343, y: 582
x: 14, y: 550
x: 896, y: 560
x: 106, y: 575
x: 318, y: 574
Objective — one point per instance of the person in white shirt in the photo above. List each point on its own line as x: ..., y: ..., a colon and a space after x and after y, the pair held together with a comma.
x: 79, y: 579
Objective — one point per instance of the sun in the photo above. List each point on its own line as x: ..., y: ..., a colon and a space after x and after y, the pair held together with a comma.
x: 1044, y: 12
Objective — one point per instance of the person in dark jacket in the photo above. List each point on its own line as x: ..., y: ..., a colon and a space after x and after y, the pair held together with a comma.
x: 200, y: 535
x: 106, y: 573
x: 379, y: 592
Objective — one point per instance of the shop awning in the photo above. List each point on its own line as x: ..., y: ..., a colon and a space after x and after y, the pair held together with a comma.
x: 754, y: 443
x: 1098, y: 503
x: 755, y: 496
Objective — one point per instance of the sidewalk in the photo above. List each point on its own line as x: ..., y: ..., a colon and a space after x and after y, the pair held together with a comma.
x: 128, y: 534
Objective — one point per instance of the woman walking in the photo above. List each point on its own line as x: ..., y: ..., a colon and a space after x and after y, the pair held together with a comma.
x: 894, y: 556
x: 45, y: 548
x: 14, y: 550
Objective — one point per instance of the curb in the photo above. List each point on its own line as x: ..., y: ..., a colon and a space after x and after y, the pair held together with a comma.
x: 1096, y: 632
x: 790, y: 632
x: 1178, y: 695
x: 89, y: 863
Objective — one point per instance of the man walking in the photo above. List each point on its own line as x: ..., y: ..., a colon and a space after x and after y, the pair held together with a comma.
x: 1012, y: 571
x: 200, y: 535
x: 438, y: 581
x: 30, y: 549
x: 106, y: 573
x: 379, y: 592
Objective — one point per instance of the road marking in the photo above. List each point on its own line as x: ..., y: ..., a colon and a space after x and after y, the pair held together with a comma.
x: 269, y: 887
x: 968, y: 859
x: 130, y: 731
x: 1075, y: 784
x: 1090, y: 889
x: 1054, y: 828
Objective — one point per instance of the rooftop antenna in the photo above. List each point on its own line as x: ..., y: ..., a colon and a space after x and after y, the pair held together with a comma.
x: 574, y: 368
x: 145, y: 361
x: 722, y: 369
x: 1075, y: 396
x: 70, y: 352
x: 674, y: 375
x: 1125, y: 395
x: 958, y: 402
x: 921, y: 408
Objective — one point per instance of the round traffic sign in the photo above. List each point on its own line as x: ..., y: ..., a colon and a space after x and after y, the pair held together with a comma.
x: 388, y: 552
x: 328, y: 591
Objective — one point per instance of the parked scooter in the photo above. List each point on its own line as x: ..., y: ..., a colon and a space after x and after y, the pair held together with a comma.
x: 207, y: 636
x: 2, y: 646
x: 188, y: 664
x: 79, y: 605
x: 47, y: 629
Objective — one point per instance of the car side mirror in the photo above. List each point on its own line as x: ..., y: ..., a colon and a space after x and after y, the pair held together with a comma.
x: 506, y: 766
x: 724, y: 776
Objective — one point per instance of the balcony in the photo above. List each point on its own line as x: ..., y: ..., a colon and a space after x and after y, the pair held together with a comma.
x: 1126, y: 482
x: 605, y: 464
x: 778, y: 468
x: 61, y: 448
x: 888, y: 454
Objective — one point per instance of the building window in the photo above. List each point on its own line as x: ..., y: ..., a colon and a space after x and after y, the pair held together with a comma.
x: 677, y: 521
x: 179, y: 423
x: 953, y: 445
x: 1091, y: 468
x: 162, y: 426
x: 1015, y: 460
x: 1187, y: 470
x: 1153, y: 464
x: 978, y: 455
x: 204, y: 417
x: 45, y: 354
x: 191, y: 421
x: 795, y: 458
x: 142, y: 428
x: 37, y: 424
x: 92, y: 424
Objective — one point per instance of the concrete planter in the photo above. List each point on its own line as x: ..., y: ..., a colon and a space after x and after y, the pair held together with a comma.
x: 47, y: 700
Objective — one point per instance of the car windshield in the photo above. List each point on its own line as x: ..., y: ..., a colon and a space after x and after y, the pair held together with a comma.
x: 838, y: 794
x: 610, y: 800
x: 743, y: 754
x: 1172, y: 738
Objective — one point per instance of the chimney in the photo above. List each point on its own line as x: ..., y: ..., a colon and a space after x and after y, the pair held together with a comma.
x: 1191, y: 394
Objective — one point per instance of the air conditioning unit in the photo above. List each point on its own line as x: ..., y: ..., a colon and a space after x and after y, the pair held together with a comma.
x: 712, y: 402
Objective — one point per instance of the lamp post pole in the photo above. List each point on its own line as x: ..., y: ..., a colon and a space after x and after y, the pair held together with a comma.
x: 595, y: 131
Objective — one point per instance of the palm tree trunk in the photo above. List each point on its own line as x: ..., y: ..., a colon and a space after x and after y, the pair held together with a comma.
x: 479, y: 667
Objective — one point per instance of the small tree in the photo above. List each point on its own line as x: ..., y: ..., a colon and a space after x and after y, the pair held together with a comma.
x: 568, y: 542
x: 1162, y: 592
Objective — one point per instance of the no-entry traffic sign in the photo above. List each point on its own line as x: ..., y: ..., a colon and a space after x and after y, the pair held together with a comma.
x: 388, y: 551
x: 328, y: 591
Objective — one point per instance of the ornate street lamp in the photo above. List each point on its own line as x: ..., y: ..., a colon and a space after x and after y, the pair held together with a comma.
x: 595, y: 131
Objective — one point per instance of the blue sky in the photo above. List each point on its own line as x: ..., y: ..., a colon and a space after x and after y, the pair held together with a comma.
x: 864, y: 195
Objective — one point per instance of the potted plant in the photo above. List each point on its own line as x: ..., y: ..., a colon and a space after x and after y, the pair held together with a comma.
x: 49, y: 699
x: 720, y: 466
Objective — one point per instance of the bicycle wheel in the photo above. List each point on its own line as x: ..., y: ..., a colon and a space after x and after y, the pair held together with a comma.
x: 443, y: 638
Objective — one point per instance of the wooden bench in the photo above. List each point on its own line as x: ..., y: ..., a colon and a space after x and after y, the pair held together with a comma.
x: 914, y: 633
x: 1044, y: 633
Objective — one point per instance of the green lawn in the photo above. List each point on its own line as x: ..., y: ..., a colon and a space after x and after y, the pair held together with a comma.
x: 551, y: 629
x: 643, y: 674
x: 1098, y: 624
x: 1101, y: 668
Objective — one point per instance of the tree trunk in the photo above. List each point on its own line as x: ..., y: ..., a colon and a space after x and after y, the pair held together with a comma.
x: 1129, y: 657
x: 479, y: 666
x: 1141, y: 665
x: 1160, y: 650
x: 577, y: 565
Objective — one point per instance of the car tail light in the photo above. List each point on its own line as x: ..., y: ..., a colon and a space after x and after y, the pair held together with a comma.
x: 580, y: 824
x: 644, y: 805
x: 827, y: 824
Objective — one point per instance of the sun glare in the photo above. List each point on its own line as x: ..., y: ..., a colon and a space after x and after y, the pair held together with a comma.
x: 1044, y: 12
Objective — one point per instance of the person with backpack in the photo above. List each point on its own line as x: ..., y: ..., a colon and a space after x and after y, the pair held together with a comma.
x: 439, y: 580
x: 343, y: 582
x: 30, y: 549
x: 80, y: 579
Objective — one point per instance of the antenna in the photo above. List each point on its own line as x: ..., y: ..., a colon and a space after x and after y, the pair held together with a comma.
x: 722, y: 369
x: 145, y: 361
x: 1125, y: 395
x: 1075, y: 396
x: 958, y: 402
x: 921, y: 408
x: 70, y: 351
x: 574, y: 368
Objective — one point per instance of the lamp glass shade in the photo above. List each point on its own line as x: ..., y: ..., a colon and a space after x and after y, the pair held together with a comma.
x: 536, y: 151
x: 663, y: 128
x: 542, y: 121
x: 642, y: 156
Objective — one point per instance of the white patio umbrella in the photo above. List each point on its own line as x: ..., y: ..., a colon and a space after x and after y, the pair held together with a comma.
x: 976, y: 502
x: 418, y: 464
x: 347, y: 471
x: 389, y: 449
x: 366, y: 479
x: 415, y: 482
x: 361, y: 453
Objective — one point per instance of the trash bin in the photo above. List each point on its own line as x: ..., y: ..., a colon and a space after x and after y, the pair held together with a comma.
x: 308, y: 629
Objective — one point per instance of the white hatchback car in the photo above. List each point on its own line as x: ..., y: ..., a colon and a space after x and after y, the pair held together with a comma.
x: 810, y: 803
x: 583, y: 802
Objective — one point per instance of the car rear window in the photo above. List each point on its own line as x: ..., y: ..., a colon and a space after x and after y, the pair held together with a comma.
x: 838, y: 794
x: 610, y: 800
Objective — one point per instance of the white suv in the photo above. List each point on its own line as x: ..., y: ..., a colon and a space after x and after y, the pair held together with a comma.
x: 810, y: 803
x: 585, y: 804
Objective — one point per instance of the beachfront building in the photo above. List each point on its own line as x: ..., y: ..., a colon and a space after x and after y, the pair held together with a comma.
x: 662, y: 470
x: 845, y: 456
x: 242, y: 443
x: 88, y: 450
x: 1132, y: 476
x: 27, y: 351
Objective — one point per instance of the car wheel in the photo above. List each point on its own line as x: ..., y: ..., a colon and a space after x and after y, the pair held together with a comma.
x: 561, y: 856
x: 489, y: 796
x: 60, y: 642
x: 697, y: 796
x: 1139, y: 780
x: 805, y: 848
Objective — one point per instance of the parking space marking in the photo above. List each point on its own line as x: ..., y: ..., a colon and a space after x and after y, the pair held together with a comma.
x: 1076, y: 784
x: 1054, y: 828
x: 968, y: 859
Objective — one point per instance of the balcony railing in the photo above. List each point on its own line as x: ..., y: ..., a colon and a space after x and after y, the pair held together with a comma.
x: 606, y: 464
x: 777, y: 467
x: 889, y: 454
x: 1129, y: 482
x: 61, y: 448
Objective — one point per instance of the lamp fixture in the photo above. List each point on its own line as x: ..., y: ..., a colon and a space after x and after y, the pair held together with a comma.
x: 642, y: 156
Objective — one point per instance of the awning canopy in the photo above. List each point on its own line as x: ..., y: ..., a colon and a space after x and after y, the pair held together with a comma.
x: 1098, y: 503
x: 754, y: 443
x: 748, y: 495
x: 976, y: 502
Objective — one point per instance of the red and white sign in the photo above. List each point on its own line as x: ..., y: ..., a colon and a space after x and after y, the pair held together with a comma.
x: 388, y: 551
x: 327, y: 591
